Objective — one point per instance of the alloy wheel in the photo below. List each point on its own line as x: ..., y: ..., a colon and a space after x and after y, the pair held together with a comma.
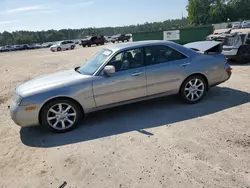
x: 194, y: 89
x: 61, y: 116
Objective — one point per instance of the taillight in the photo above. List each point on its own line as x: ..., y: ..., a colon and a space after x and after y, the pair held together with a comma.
x: 228, y: 67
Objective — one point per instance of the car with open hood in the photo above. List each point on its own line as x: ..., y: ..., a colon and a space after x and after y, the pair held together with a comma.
x: 118, y: 75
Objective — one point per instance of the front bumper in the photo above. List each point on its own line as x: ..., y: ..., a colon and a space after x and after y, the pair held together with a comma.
x: 24, y: 118
x: 53, y: 49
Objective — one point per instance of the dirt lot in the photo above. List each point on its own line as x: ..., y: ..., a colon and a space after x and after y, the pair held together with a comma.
x: 159, y: 143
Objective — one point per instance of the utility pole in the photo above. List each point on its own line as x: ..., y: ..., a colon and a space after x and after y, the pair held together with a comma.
x: 181, y: 19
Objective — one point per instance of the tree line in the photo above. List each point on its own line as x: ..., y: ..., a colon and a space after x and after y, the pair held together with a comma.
x: 201, y: 12
x: 28, y: 37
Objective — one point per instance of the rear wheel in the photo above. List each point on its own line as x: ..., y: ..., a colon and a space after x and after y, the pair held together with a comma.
x: 72, y: 47
x: 193, y: 89
x: 89, y: 45
x: 83, y: 45
x: 59, y: 49
x: 243, y: 55
x: 61, y: 115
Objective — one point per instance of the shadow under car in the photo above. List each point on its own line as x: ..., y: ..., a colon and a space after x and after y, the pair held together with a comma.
x: 136, y: 117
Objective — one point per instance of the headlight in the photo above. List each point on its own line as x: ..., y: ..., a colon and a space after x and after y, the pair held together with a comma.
x: 17, y: 99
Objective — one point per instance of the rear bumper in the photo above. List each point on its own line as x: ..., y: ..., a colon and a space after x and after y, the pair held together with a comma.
x: 226, y: 76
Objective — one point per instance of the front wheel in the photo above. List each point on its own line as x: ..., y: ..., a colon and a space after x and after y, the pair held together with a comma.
x: 72, y: 47
x: 61, y: 115
x: 193, y: 89
x: 59, y: 49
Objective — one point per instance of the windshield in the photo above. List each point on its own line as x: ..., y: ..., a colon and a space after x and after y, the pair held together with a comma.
x: 95, y: 62
x: 57, y: 43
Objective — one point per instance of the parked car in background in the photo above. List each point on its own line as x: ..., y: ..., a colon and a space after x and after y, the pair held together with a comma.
x: 6, y: 49
x: 117, y: 75
x: 2, y: 49
x: 236, y: 25
x: 108, y: 39
x: 17, y: 47
x: 93, y: 40
x: 245, y: 24
x: 120, y: 38
x: 9, y: 48
x: 47, y: 45
x: 63, y: 45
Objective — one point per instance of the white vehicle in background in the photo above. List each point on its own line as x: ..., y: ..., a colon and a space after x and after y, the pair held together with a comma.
x: 236, y: 25
x: 108, y: 38
x: 63, y: 45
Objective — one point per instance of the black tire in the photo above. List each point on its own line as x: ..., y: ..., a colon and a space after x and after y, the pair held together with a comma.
x: 84, y: 46
x: 59, y: 49
x: 243, y: 55
x: 72, y: 47
x: 183, y: 93
x: 89, y: 45
x: 49, y: 105
x: 102, y: 43
x: 122, y: 40
x: 97, y: 44
x: 113, y: 41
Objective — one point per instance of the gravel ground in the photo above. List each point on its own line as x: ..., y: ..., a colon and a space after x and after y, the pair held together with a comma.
x: 158, y: 143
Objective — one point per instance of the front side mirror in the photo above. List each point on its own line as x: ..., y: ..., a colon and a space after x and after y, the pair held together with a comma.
x: 109, y: 70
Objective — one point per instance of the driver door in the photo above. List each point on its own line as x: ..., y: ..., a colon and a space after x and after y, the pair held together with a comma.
x: 127, y: 83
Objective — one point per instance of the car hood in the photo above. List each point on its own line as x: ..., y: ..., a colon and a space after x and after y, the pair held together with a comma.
x: 202, y: 46
x: 54, y: 45
x: 51, y: 81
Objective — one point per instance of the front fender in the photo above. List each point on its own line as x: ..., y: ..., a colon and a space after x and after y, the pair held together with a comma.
x: 81, y: 93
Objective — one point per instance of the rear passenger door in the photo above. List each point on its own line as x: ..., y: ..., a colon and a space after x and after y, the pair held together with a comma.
x: 68, y: 44
x: 63, y: 44
x: 163, y: 70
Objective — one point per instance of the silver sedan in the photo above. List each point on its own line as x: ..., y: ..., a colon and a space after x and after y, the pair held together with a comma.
x: 117, y: 75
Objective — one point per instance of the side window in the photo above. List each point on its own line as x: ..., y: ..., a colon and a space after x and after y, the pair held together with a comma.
x: 63, y: 42
x: 161, y: 54
x: 127, y: 60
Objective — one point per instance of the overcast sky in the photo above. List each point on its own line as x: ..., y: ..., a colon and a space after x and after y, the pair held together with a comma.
x: 60, y: 14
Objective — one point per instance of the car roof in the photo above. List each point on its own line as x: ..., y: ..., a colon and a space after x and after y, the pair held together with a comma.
x: 123, y: 46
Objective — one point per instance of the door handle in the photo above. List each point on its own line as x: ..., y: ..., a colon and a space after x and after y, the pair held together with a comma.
x: 136, y: 73
x: 185, y: 64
